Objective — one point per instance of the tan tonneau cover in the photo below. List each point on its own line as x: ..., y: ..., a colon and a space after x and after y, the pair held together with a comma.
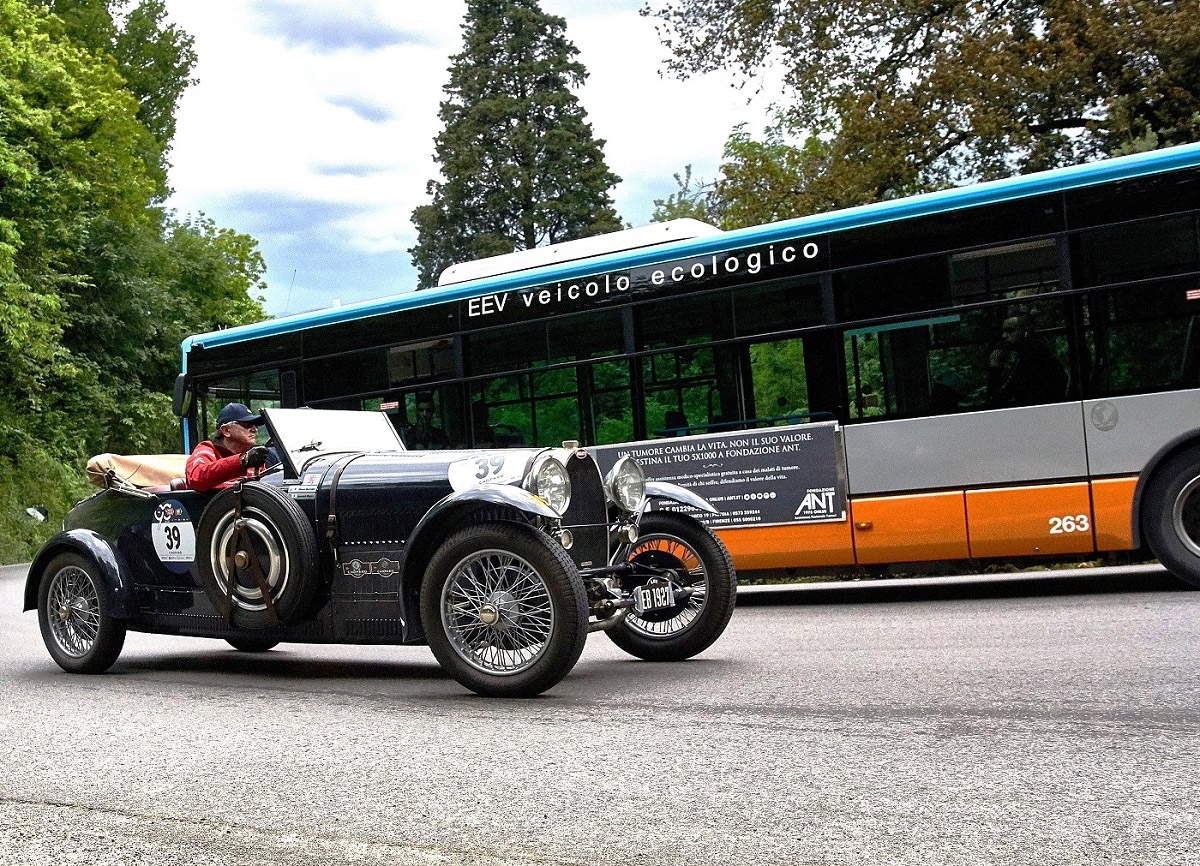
x: 140, y: 470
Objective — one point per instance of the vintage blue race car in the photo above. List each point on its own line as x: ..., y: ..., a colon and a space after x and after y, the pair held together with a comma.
x: 502, y: 561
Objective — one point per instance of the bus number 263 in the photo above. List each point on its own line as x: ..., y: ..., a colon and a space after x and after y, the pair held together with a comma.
x: 1070, y: 523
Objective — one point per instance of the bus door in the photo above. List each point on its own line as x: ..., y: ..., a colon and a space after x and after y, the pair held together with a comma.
x: 945, y: 464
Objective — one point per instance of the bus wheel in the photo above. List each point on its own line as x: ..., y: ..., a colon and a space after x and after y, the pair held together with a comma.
x: 264, y: 536
x: 504, y: 610
x: 1171, y: 515
x: 252, y: 644
x: 704, y: 567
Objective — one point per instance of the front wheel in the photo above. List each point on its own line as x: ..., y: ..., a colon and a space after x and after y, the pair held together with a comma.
x: 79, y: 632
x: 504, y: 610
x: 1171, y: 515
x: 704, y: 570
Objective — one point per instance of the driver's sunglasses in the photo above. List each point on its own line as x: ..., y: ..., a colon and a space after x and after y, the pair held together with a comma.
x: 246, y: 425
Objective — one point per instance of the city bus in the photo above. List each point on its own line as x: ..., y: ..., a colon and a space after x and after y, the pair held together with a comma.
x: 998, y: 371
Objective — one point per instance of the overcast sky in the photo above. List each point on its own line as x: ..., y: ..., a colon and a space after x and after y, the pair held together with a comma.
x: 312, y: 128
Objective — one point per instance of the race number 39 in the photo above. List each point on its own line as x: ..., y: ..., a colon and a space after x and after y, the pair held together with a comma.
x: 173, y: 534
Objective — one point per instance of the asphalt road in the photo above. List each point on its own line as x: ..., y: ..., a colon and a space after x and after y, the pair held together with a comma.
x: 1026, y: 721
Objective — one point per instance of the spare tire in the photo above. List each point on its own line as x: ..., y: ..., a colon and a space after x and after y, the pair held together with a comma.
x: 269, y: 538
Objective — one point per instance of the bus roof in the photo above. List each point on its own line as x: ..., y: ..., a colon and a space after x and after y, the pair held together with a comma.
x: 641, y: 237
x: 956, y: 198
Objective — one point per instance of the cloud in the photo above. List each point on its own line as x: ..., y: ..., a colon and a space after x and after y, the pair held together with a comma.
x: 369, y: 111
x: 318, y: 251
x: 313, y: 126
x: 348, y: 169
x: 326, y: 28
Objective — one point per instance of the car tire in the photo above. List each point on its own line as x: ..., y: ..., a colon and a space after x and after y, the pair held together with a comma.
x: 675, y: 541
x: 504, y: 610
x: 73, y: 613
x: 1170, y: 515
x: 280, y: 542
x: 251, y: 644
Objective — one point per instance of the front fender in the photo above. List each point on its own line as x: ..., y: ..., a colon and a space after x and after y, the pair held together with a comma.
x: 109, y: 563
x: 430, y: 529
x: 675, y: 493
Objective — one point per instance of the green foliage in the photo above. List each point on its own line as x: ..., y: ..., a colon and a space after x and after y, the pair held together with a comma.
x: 98, y: 286
x: 520, y: 165
x: 155, y: 59
x: 27, y: 480
x: 693, y: 200
x: 894, y: 97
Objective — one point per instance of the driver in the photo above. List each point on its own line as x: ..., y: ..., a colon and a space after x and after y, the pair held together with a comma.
x: 230, y: 454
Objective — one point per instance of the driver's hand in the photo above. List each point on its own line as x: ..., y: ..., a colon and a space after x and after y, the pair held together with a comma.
x: 256, y: 456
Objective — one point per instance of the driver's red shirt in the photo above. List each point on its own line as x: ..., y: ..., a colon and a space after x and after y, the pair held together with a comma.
x: 210, y: 466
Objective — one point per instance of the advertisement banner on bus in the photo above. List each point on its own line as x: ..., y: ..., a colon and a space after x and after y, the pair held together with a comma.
x: 776, y: 475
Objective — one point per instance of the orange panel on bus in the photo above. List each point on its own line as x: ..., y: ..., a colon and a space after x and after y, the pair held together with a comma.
x: 1030, y: 521
x: 1112, y: 503
x: 921, y: 526
x: 796, y: 546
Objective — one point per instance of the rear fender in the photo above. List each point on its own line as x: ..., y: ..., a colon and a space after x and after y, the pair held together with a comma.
x: 114, y: 579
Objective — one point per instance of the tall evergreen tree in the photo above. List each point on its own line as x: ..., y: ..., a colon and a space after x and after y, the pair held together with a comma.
x: 520, y: 164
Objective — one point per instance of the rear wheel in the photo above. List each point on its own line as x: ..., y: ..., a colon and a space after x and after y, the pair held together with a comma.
x: 1171, y: 515
x: 504, y: 610
x: 73, y: 615
x: 704, y: 570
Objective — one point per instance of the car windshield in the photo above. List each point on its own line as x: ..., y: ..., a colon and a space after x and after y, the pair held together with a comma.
x: 302, y: 434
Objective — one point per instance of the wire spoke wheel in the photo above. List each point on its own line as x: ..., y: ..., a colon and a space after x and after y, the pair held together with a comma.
x: 668, y: 551
x: 73, y: 614
x: 497, y: 613
x: 504, y: 610
x: 705, y: 588
x: 74, y: 610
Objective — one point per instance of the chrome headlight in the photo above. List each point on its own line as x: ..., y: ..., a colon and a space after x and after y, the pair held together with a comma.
x: 626, y: 484
x: 549, y: 480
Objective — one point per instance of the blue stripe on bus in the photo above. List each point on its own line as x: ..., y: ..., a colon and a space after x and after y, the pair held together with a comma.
x: 927, y: 204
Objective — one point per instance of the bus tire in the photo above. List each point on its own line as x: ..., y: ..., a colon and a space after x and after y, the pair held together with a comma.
x: 504, y: 610
x: 282, y: 544
x: 251, y: 644
x: 675, y: 541
x: 1171, y: 515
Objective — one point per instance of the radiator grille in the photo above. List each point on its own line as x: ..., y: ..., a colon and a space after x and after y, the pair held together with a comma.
x: 587, y: 516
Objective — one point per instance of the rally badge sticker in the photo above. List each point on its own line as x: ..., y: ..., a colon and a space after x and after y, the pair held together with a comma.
x: 174, y: 536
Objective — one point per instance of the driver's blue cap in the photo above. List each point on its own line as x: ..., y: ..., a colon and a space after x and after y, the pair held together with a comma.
x: 238, y: 412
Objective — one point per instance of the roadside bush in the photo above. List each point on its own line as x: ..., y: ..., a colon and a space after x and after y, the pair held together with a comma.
x: 35, y: 478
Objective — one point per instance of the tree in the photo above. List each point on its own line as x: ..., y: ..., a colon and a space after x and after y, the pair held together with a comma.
x: 68, y: 135
x: 520, y: 165
x: 893, y: 97
x: 98, y: 285
x: 154, y: 58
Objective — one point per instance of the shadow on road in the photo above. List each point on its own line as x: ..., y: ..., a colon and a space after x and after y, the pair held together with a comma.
x: 1092, y: 581
x: 282, y: 664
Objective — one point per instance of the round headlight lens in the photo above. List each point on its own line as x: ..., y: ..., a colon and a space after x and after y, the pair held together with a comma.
x: 626, y: 484
x: 550, y: 482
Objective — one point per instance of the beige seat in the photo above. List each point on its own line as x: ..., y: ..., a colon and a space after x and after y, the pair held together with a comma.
x: 140, y: 470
